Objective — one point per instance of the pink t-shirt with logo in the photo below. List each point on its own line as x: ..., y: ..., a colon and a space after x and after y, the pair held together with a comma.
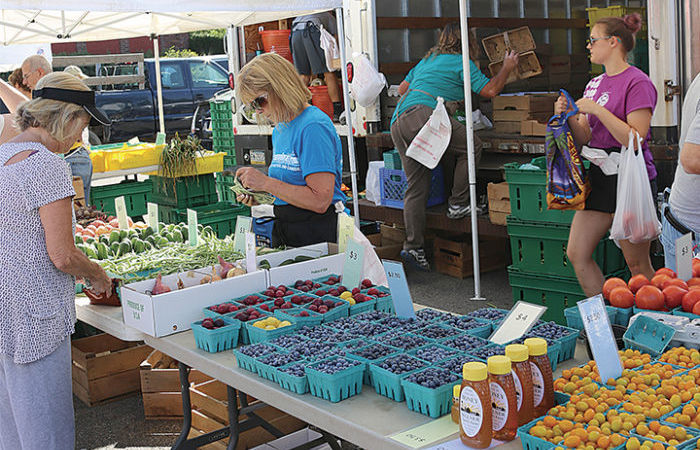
x: 621, y: 94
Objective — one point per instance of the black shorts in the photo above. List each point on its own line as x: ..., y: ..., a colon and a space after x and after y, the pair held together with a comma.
x: 603, y: 196
x: 307, y: 53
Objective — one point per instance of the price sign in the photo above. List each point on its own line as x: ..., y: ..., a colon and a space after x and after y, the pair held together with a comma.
x: 518, y: 322
x: 600, y: 337
x: 244, y: 224
x: 123, y: 219
x: 133, y: 141
x: 354, y: 263
x: 153, y: 216
x: 684, y: 256
x: 401, y: 296
x: 250, y: 260
x: 160, y: 138
x: 346, y: 230
x: 192, y: 227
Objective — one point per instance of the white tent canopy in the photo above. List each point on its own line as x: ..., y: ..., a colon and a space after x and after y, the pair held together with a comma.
x: 41, y: 21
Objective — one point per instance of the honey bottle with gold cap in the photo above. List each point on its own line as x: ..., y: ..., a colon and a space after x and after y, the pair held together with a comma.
x: 522, y: 377
x: 475, y: 406
x: 504, y: 403
x: 542, y: 380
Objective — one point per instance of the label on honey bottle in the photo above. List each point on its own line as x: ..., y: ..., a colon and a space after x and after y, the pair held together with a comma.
x: 537, y: 383
x: 499, y: 405
x: 471, y: 411
x: 518, y: 389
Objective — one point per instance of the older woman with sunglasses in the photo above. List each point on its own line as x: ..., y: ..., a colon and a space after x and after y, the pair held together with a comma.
x: 306, y: 169
x: 615, y: 103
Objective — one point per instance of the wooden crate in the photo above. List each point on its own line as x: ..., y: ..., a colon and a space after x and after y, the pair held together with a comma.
x: 505, y: 126
x: 533, y: 128
x: 105, y: 368
x: 499, y: 202
x: 160, y: 387
x: 210, y: 413
x: 453, y: 256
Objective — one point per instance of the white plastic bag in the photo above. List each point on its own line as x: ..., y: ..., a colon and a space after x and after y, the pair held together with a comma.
x: 330, y: 50
x: 367, y: 83
x: 431, y: 141
x: 635, y: 216
x: 372, y: 189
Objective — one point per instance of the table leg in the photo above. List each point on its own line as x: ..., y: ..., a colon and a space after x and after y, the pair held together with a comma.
x: 232, y: 418
x: 186, y: 406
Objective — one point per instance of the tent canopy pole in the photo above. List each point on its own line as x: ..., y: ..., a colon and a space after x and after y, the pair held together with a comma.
x: 159, y: 83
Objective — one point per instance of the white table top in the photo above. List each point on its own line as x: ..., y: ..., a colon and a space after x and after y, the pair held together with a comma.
x: 365, y: 420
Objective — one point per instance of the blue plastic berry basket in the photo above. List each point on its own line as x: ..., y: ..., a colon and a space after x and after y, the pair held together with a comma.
x: 213, y: 314
x: 338, y: 386
x: 239, y: 300
x: 248, y: 362
x: 430, y: 402
x: 387, y: 383
x: 690, y: 443
x: 568, y: 342
x: 367, y: 377
x: 679, y: 312
x: 463, y: 343
x: 258, y: 335
x: 477, y: 351
x: 648, y: 335
x: 267, y: 371
x: 574, y: 320
x: 453, y: 332
x: 312, y: 320
x: 244, y: 338
x: 637, y: 310
x: 455, y: 364
x: 623, y: 315
x: 359, y: 308
x: 219, y: 339
x: 298, y: 385
x: 385, y: 304
x: 372, y: 316
x: 451, y: 350
x: 530, y: 442
x: 322, y: 280
x: 335, y: 313
x: 476, y: 314
x: 483, y: 331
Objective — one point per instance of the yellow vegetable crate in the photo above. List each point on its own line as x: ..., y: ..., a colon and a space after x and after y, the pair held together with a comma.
x: 210, y: 162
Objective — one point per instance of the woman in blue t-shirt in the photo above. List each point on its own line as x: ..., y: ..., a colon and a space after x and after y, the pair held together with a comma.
x: 306, y: 169
x: 439, y: 74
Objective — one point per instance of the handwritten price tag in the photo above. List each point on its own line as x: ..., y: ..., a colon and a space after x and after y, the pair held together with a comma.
x: 153, y: 216
x: 192, y: 227
x: 518, y: 322
x: 400, y: 294
x: 250, y: 260
x: 426, y: 434
x: 600, y: 337
x: 354, y: 262
x: 122, y: 217
x: 244, y: 224
x: 160, y: 138
x: 684, y: 256
x: 346, y: 230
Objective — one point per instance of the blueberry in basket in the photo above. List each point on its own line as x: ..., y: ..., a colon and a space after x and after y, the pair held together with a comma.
x: 373, y: 352
x: 488, y: 314
x: 550, y: 330
x: 430, y: 314
x: 464, y: 323
x: 288, y: 340
x: 438, y: 332
x: 434, y: 353
x: 315, y: 350
x: 370, y: 329
x: 316, y: 333
x: 347, y: 324
x: 336, y: 365
x: 296, y: 370
x: 456, y: 364
x: 465, y: 342
x: 372, y: 316
x: 279, y: 359
x: 404, y: 324
x: 401, y: 364
x: 432, y: 377
x: 488, y: 351
x: 404, y: 341
x: 257, y: 350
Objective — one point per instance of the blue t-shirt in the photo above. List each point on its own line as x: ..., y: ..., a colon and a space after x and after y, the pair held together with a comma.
x: 440, y: 76
x: 308, y: 144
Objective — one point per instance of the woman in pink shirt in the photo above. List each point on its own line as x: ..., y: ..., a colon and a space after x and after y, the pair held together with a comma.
x: 620, y: 100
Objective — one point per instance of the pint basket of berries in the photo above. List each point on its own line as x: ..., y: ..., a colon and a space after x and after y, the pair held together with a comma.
x: 300, y: 316
x: 267, y: 329
x: 247, y: 356
x: 388, y: 372
x: 221, y: 309
x: 429, y: 391
x: 216, y: 335
x: 336, y: 378
x: 329, y: 307
x: 292, y: 377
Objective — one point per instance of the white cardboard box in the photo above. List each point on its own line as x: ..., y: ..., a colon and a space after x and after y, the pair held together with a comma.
x: 314, y: 251
x: 315, y: 268
x: 294, y: 440
x: 174, y: 311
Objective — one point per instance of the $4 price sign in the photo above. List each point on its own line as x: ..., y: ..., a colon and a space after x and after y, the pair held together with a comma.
x: 518, y: 322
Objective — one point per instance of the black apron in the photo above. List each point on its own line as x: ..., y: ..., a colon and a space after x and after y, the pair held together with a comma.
x: 297, y: 227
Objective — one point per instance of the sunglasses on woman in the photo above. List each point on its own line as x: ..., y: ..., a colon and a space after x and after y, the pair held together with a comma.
x: 259, y: 102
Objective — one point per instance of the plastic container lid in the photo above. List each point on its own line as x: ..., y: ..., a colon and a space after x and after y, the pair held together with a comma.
x: 456, y: 389
x: 474, y: 371
x: 536, y: 346
x: 517, y: 352
x: 499, y: 365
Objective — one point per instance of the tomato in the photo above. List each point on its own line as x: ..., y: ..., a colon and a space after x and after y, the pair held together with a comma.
x: 660, y: 280
x: 673, y: 295
x: 676, y: 282
x: 696, y: 268
x: 637, y: 282
x: 695, y: 281
x: 666, y: 271
x: 690, y: 299
x: 621, y: 297
x: 649, y: 297
x: 610, y: 284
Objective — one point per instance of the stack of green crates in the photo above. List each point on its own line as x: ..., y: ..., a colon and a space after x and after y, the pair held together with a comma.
x: 222, y: 130
x: 541, y: 272
x: 223, y: 188
x: 221, y: 216
x: 136, y: 196
x: 184, y: 192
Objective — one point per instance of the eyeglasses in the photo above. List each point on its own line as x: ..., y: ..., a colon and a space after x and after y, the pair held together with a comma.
x: 259, y: 102
x: 593, y: 40
x: 27, y: 75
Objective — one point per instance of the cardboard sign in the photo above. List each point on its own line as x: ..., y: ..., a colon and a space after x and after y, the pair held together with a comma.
x: 244, y: 224
x: 398, y: 286
x: 152, y: 217
x: 192, y: 227
x: 684, y: 256
x: 600, y: 337
x: 346, y: 230
x: 160, y: 138
x: 518, y: 322
x: 250, y: 260
x: 354, y: 262
x: 122, y: 217
x: 428, y: 433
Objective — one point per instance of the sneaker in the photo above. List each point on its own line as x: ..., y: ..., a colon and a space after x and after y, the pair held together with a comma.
x: 458, y: 212
x: 416, y: 257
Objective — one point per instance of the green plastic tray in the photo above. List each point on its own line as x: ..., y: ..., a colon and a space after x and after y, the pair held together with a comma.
x: 136, y: 194
x: 184, y: 192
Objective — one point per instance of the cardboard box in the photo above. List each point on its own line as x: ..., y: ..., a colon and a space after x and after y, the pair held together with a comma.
x: 315, y: 268
x: 79, y: 189
x: 534, y: 103
x: 499, y: 202
x: 518, y: 39
x: 295, y: 440
x: 388, y: 243
x: 502, y: 126
x: 533, y: 128
x: 454, y: 256
x: 165, y: 314
x: 105, y: 368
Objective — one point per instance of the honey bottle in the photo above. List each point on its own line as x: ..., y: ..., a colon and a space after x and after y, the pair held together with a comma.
x: 455, y: 403
x: 504, y: 403
x: 542, y: 380
x: 475, y: 406
x: 522, y: 377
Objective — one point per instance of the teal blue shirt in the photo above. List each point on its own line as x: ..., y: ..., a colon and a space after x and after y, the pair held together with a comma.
x: 442, y: 76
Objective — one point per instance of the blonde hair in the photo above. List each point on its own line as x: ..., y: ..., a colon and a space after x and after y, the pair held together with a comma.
x: 272, y: 74
x: 59, y: 118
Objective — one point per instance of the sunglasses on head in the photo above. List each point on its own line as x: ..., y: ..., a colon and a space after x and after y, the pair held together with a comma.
x: 259, y: 102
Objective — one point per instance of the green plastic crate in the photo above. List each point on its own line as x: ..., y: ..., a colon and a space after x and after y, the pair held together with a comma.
x: 229, y: 160
x: 223, y: 144
x: 184, y: 192
x: 555, y: 292
x: 221, y: 115
x: 541, y: 247
x: 136, y: 194
x: 392, y: 160
x: 220, y: 216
